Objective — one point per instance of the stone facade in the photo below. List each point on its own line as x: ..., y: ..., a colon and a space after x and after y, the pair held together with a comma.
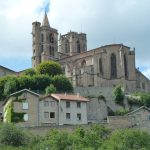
x: 5, y: 71
x: 108, y: 65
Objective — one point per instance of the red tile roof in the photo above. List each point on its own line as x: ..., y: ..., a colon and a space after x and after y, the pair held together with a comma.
x: 69, y: 97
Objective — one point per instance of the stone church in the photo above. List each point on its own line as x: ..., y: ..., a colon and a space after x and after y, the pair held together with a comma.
x: 105, y: 66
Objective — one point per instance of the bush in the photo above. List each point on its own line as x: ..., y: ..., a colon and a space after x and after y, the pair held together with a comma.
x: 118, y: 95
x: 12, y: 135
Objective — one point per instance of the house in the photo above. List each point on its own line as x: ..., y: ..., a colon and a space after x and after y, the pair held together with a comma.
x: 63, y: 109
x: 22, y: 108
x: 140, y: 117
x: 6, y: 71
x: 27, y: 109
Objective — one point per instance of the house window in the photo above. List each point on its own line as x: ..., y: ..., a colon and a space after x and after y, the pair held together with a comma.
x: 67, y: 115
x: 52, y: 103
x: 25, y: 117
x: 148, y: 117
x: 78, y: 104
x: 79, y: 116
x: 67, y: 104
x: 46, y: 103
x: 52, y: 114
x: 46, y: 114
x: 25, y: 105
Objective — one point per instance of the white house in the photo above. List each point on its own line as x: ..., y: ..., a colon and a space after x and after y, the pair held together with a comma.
x: 63, y: 109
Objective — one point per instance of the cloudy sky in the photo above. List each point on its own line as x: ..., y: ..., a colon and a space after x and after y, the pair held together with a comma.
x: 104, y: 22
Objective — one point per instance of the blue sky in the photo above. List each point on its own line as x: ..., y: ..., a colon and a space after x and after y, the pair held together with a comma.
x: 104, y: 22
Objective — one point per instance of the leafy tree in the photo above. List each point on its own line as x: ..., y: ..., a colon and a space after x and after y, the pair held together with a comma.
x: 40, y: 82
x: 62, y: 83
x: 50, y: 68
x: 12, y: 135
x: 10, y: 86
x: 29, y: 72
x: 50, y: 89
x: 118, y: 95
x: 128, y: 139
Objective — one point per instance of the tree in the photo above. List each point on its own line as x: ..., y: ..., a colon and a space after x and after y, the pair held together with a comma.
x: 118, y: 94
x: 62, y: 83
x: 50, y: 89
x: 50, y: 68
x: 10, y: 86
x: 29, y: 72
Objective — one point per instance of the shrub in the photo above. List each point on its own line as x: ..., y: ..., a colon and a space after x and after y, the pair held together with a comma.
x: 118, y: 95
x: 12, y: 135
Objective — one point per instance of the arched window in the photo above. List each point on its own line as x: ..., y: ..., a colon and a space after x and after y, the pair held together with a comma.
x: 42, y: 48
x: 42, y: 37
x: 78, y: 47
x: 113, y: 66
x: 51, y: 38
x: 100, y: 66
x: 125, y: 67
x: 67, y: 46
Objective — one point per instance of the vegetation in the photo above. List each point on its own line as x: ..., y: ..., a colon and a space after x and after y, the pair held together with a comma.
x: 50, y: 89
x: 118, y: 95
x: 46, y: 74
x: 50, y: 68
x: 94, y: 137
x: 29, y: 72
x: 121, y: 112
x: 140, y: 99
x: 13, y: 136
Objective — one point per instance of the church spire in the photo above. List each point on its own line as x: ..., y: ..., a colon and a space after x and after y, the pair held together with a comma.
x: 45, y: 21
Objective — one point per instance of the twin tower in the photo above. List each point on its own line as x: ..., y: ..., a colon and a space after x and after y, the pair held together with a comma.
x: 46, y: 45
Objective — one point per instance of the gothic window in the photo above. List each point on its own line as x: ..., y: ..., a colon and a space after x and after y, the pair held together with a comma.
x: 113, y: 66
x: 78, y: 47
x: 42, y: 48
x: 52, y: 51
x: 51, y: 38
x: 42, y: 37
x: 100, y: 66
x: 125, y: 67
x: 67, y: 46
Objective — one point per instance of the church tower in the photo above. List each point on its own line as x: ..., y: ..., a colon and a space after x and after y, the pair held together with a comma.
x: 72, y: 43
x: 44, y: 42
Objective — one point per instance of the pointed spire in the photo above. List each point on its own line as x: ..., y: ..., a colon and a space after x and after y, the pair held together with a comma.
x: 45, y: 21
